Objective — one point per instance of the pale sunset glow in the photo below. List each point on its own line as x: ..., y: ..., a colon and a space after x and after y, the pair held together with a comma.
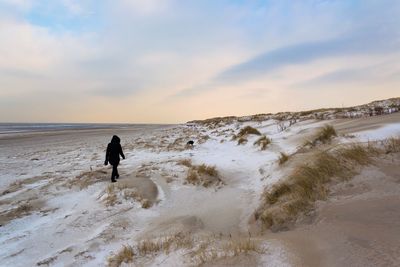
x: 166, y: 61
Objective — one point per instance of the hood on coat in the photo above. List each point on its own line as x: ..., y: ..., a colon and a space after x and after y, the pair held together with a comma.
x: 115, y: 140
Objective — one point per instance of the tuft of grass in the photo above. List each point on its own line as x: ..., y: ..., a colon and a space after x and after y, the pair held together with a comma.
x: 263, y: 141
x: 164, y: 244
x: 242, y: 141
x: 277, y: 191
x: 146, y: 247
x: 323, y: 136
x: 24, y: 208
x: 326, y: 134
x: 285, y: 201
x: 242, y: 246
x: 125, y: 255
x: 203, y: 174
x: 145, y: 203
x: 203, y: 139
x: 192, y: 176
x: 205, y: 169
x: 283, y: 158
x: 392, y: 145
x: 185, y: 162
x: 150, y: 247
x: 357, y: 154
x: 86, y: 179
x: 248, y: 130
x: 213, y: 250
x: 200, y: 249
x: 111, y: 196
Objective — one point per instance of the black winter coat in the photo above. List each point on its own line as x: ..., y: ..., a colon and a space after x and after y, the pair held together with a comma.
x: 114, y: 149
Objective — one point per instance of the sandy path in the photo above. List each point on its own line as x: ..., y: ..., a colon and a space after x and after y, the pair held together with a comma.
x: 346, y: 126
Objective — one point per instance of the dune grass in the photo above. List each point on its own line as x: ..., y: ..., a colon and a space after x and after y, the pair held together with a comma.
x: 392, y: 145
x: 239, y: 246
x: 192, y: 176
x: 211, y: 250
x: 263, y: 142
x: 206, y: 169
x: 248, y: 130
x: 285, y: 201
x: 242, y: 141
x: 111, y: 196
x: 203, y: 174
x: 243, y: 133
x: 150, y: 247
x: 185, y: 162
x: 20, y: 211
x: 164, y: 244
x: 200, y: 249
x: 125, y: 255
x: 323, y: 136
x: 87, y: 178
x: 326, y: 134
x: 283, y: 158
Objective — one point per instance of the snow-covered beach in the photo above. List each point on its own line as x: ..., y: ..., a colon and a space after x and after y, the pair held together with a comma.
x: 58, y: 208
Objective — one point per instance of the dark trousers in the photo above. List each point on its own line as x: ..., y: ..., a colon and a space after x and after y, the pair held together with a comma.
x: 114, y: 173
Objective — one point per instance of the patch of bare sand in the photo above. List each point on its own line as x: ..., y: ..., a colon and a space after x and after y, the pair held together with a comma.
x: 239, y: 260
x: 346, y: 126
x: 146, y: 188
x: 138, y: 188
x: 177, y: 224
x: 357, y: 226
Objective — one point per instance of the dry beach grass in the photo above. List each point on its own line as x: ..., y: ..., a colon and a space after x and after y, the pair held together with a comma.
x: 294, y: 196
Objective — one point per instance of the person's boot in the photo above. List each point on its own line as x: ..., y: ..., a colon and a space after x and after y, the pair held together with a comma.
x: 116, y: 177
x: 113, y: 180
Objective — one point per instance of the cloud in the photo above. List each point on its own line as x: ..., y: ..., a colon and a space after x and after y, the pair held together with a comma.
x: 21, y: 5
x: 367, y: 35
x: 307, y: 52
x: 146, y: 8
x: 382, y: 73
x: 145, y: 52
x: 265, y: 64
x: 73, y: 7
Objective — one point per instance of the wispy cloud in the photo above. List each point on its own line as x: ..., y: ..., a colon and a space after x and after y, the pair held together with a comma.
x: 379, y: 74
x: 161, y: 56
x: 307, y: 52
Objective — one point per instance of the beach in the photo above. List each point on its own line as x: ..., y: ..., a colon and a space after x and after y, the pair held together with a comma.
x: 58, y: 207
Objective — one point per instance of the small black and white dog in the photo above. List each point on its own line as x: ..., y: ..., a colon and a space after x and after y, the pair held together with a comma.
x: 190, y: 143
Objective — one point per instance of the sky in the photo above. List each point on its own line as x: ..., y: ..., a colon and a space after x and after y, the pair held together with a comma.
x: 171, y: 61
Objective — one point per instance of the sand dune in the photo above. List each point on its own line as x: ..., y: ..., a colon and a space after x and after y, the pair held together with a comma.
x: 357, y: 225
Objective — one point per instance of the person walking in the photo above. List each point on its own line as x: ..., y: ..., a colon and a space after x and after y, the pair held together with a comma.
x: 114, y: 150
